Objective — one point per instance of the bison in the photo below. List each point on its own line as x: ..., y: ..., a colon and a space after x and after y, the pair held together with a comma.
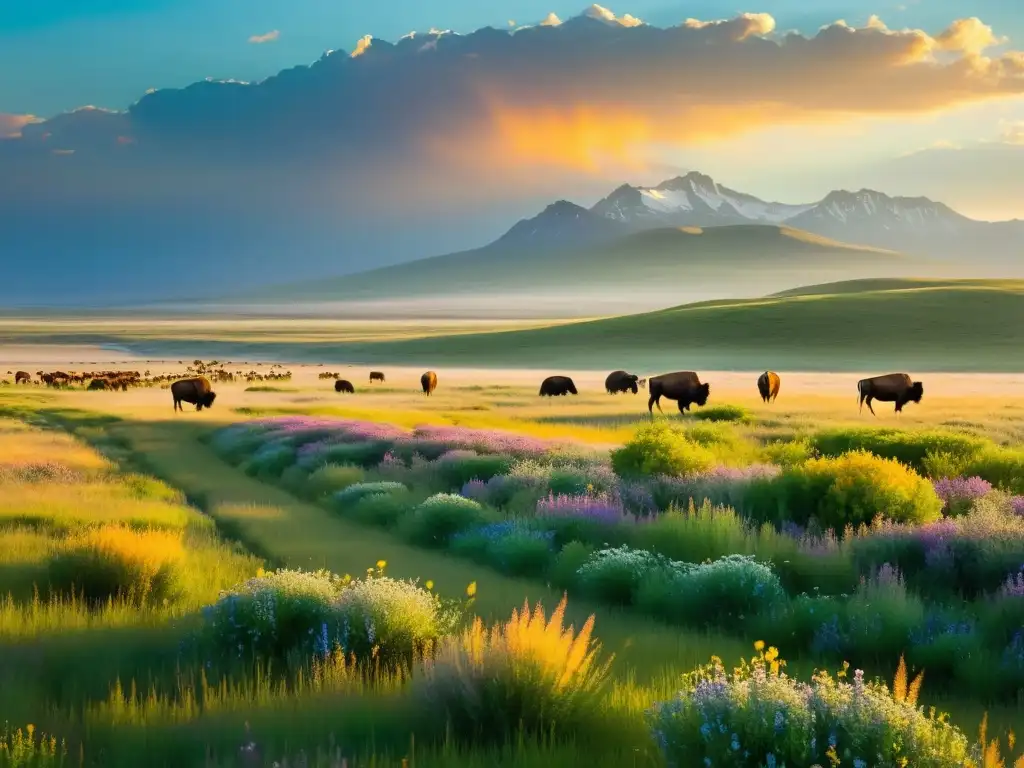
x: 97, y: 385
x: 554, y: 386
x: 620, y: 381
x: 376, y: 376
x: 896, y: 388
x: 682, y: 386
x: 196, y: 391
x: 343, y: 385
x: 768, y: 385
x: 22, y: 377
x: 429, y: 382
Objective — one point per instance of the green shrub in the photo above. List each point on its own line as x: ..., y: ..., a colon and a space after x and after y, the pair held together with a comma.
x: 695, y: 533
x: 365, y: 454
x: 274, y: 615
x: 613, y: 575
x: 726, y: 593
x: 724, y: 412
x: 787, y: 453
x: 295, y: 479
x: 271, y: 460
x: 660, y: 448
x: 459, y: 467
x: 718, y: 715
x: 383, y: 510
x: 332, y: 478
x: 565, y: 569
x: 522, y: 553
x: 434, y: 522
x: 392, y: 621
x: 358, y: 491
x: 907, y: 447
x: 852, y: 489
x: 1003, y: 467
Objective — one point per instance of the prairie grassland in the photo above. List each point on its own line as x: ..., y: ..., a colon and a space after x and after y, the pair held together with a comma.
x: 78, y: 653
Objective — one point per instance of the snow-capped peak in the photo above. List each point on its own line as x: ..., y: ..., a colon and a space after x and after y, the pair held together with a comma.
x: 693, y: 195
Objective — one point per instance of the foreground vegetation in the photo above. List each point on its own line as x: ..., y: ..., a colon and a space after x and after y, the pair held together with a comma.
x: 140, y: 668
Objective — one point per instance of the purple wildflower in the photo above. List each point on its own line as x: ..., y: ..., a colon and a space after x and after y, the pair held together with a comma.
x: 1014, y: 586
x: 957, y: 493
x: 601, y: 508
x: 475, y: 489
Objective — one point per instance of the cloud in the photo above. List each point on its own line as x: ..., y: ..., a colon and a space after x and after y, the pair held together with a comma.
x: 364, y: 43
x: 269, y: 37
x: 500, y: 112
x: 11, y: 125
x: 1013, y: 133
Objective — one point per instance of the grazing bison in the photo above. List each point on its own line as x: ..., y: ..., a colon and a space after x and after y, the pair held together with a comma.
x: 343, y: 385
x: 891, y: 388
x: 682, y: 386
x: 429, y: 382
x: 554, y: 386
x: 768, y: 384
x: 97, y: 385
x: 22, y: 377
x: 620, y: 381
x: 376, y: 376
x: 196, y: 391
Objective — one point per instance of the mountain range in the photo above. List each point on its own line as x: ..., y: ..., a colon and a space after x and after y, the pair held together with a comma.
x: 914, y: 225
x: 686, y: 239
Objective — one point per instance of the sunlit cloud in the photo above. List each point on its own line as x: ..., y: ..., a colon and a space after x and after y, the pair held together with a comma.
x: 11, y: 125
x: 364, y: 43
x: 1013, y: 132
x: 269, y: 37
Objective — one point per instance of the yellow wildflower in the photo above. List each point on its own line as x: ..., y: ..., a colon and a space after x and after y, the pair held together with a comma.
x: 429, y: 584
x: 759, y: 646
x: 382, y: 564
x: 471, y: 589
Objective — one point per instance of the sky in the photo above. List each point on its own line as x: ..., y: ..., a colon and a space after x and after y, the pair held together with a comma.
x: 442, y: 141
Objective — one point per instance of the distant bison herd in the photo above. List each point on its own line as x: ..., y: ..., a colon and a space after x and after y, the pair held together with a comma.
x: 685, y: 387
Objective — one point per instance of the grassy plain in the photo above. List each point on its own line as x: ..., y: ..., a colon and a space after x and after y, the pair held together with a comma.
x: 60, y: 660
x: 961, y: 326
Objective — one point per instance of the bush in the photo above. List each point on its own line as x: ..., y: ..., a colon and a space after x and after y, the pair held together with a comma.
x: 613, y: 575
x: 660, y: 448
x: 270, y: 460
x: 908, y: 447
x: 511, y: 546
x: 457, y: 468
x: 529, y: 675
x: 725, y: 412
x: 363, y: 454
x: 384, y: 510
x: 332, y: 478
x: 358, y: 491
x: 434, y: 522
x: 565, y: 569
x: 785, y: 453
x: 274, y: 615
x: 850, y: 490
x: 695, y: 533
x: 724, y: 593
x: 717, y: 716
x: 391, y: 621
x: 1003, y: 467
x: 116, y: 562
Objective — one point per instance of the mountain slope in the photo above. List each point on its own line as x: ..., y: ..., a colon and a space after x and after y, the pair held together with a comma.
x: 727, y: 255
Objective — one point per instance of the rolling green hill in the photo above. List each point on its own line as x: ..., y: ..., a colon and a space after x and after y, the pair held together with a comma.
x: 637, y: 261
x: 938, y: 326
x: 898, y: 284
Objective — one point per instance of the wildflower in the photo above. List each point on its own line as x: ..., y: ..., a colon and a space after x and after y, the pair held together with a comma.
x: 759, y: 646
x: 471, y: 589
x: 429, y: 584
x: 382, y: 564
